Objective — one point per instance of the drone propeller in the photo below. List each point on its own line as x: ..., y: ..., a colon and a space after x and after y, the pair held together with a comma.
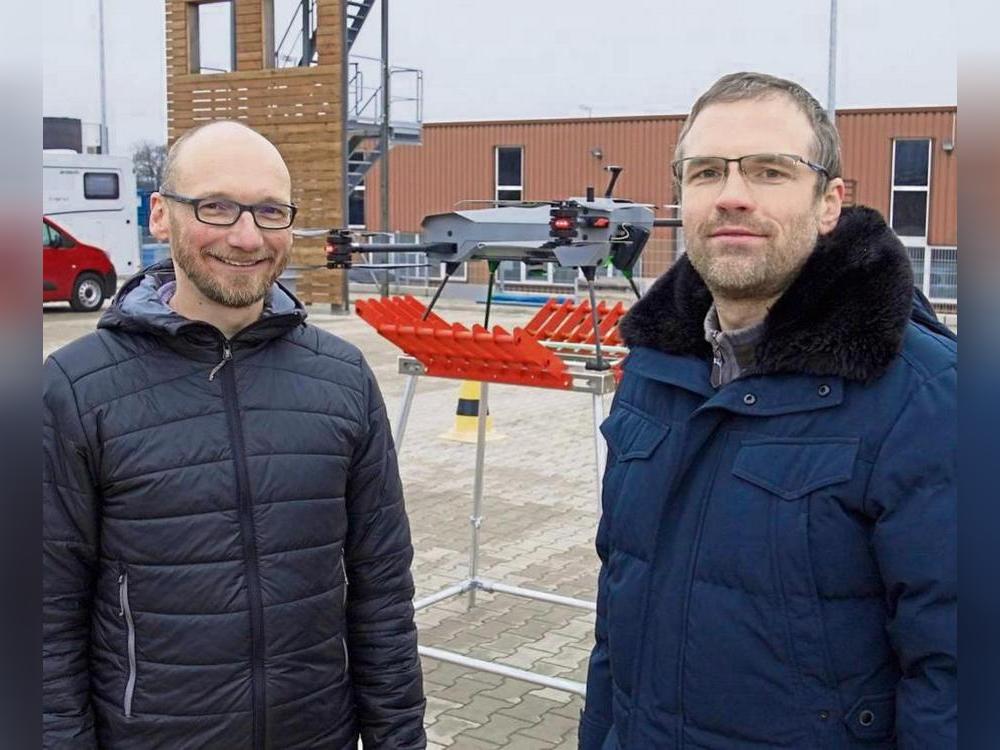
x: 508, y: 204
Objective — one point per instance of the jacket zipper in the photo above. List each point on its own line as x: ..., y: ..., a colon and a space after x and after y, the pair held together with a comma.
x: 124, y: 610
x: 718, y: 361
x: 248, y: 534
x: 227, y: 356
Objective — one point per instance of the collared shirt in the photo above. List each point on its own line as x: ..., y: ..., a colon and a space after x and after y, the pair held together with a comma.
x: 733, y: 352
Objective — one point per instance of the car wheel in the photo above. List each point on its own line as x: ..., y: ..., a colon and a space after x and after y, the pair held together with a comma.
x: 88, y: 293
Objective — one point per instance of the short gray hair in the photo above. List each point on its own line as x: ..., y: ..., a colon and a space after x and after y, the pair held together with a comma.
x: 743, y: 86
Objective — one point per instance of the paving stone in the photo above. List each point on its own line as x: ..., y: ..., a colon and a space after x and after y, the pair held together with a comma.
x: 531, y: 709
x: 462, y: 691
x: 553, y: 728
x: 520, y: 741
x: 571, y: 656
x: 553, y: 643
x: 479, y: 709
x: 556, y: 696
x: 436, y: 705
x: 511, y: 691
x: 498, y: 729
x: 444, y: 730
x: 465, y: 742
x: 507, y: 643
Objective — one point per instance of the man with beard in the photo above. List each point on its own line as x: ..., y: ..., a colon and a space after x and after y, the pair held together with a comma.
x: 226, y: 551
x: 778, y: 538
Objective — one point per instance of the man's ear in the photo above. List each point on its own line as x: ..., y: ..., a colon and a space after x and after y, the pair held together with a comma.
x: 830, y: 204
x: 159, y: 221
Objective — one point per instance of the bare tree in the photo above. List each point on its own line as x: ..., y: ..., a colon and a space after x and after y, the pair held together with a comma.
x: 148, y: 159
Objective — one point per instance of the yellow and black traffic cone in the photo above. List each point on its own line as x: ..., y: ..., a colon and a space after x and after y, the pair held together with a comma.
x: 467, y: 415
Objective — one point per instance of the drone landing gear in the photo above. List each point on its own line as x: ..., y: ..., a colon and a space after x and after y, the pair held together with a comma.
x: 598, y: 362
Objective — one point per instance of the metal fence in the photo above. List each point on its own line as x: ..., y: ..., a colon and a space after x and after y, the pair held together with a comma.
x: 935, y: 272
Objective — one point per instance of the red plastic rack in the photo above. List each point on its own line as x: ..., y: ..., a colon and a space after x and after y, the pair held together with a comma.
x: 451, y: 350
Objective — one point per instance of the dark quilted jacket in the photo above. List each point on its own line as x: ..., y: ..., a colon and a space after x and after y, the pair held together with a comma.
x: 779, y: 554
x: 226, y: 551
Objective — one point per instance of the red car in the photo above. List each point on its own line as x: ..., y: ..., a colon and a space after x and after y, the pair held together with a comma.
x: 81, y: 274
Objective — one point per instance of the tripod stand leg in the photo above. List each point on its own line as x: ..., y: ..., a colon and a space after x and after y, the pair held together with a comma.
x: 404, y: 411
x: 476, y: 519
x: 600, y: 448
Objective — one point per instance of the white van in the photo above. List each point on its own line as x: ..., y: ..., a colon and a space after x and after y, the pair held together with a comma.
x: 94, y: 197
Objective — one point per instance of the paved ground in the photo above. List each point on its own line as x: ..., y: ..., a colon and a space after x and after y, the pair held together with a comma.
x: 538, y: 532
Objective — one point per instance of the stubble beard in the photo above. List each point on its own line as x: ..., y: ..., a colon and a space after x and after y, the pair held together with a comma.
x: 741, y: 273
x: 243, y: 291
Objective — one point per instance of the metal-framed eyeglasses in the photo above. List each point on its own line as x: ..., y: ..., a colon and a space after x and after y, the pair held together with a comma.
x: 222, y: 212
x: 757, y: 169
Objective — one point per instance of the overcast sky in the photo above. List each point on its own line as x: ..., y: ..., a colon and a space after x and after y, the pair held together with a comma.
x: 531, y: 58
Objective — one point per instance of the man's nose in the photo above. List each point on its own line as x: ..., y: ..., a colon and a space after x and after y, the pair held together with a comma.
x: 245, y: 233
x: 735, y: 193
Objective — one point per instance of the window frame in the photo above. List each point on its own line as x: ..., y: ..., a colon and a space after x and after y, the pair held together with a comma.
x: 926, y: 189
x: 194, y: 37
x: 92, y: 197
x: 914, y: 241
x: 497, y: 187
x: 360, y: 189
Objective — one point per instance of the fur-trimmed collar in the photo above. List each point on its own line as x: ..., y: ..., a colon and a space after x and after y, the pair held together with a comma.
x: 844, y: 314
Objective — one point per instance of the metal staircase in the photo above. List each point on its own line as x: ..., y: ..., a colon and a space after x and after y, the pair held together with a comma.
x: 297, y: 47
x: 357, y: 12
x: 364, y: 113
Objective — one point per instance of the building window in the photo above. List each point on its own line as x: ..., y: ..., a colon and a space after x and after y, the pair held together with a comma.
x: 911, y: 173
x: 356, y: 207
x: 288, y: 42
x: 211, y: 37
x: 508, y: 170
x: 100, y: 186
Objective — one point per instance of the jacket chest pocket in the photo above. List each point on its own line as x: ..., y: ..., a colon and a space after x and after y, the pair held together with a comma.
x: 792, y: 468
x: 773, y: 523
x: 635, y: 478
x: 774, y: 487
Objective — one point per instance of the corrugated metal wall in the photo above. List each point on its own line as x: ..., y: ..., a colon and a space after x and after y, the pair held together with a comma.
x: 456, y: 162
x: 867, y: 136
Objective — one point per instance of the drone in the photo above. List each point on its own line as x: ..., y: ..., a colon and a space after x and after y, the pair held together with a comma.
x: 582, y: 232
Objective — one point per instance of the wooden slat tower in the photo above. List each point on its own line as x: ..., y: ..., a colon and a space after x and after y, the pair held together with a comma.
x: 300, y: 109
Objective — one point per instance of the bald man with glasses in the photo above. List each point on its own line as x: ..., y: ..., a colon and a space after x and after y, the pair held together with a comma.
x: 778, y: 537
x: 226, y: 549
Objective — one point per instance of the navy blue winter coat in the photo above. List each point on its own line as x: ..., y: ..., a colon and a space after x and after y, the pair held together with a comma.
x: 779, y: 555
x: 226, y: 551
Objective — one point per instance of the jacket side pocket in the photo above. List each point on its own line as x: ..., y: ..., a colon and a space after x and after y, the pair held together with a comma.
x: 125, y: 611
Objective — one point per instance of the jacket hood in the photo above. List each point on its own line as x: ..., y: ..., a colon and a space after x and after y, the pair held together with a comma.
x: 139, y: 307
x: 845, y: 313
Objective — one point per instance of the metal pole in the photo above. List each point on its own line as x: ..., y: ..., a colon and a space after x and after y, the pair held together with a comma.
x: 557, y: 683
x: 345, y: 193
x: 384, y: 145
x: 104, y: 92
x: 600, y: 449
x: 477, y: 490
x: 831, y: 86
x: 306, y: 35
x: 404, y: 411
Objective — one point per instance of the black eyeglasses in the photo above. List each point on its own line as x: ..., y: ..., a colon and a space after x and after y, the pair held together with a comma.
x: 757, y: 169
x: 222, y: 212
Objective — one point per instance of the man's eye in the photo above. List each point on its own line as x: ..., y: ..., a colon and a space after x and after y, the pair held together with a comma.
x: 271, y: 211
x: 215, y: 206
x: 705, y: 173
